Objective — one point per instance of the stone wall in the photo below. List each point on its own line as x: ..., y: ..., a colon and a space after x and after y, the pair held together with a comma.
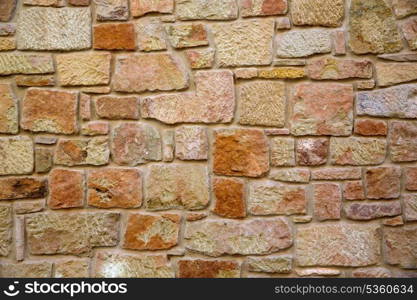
x: 208, y: 138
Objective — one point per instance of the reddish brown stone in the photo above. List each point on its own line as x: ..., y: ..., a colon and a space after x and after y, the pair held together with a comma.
x: 230, y: 197
x: 403, y: 141
x: 110, y: 107
x: 198, y: 268
x: 22, y: 187
x: 368, y: 211
x: 114, y: 36
x: 79, y: 2
x: 382, y: 182
x: 327, y: 201
x: 395, y: 221
x: 410, y: 174
x: 7, y: 8
x: 152, y: 232
x: 66, y: 189
x: 312, y: 152
x: 194, y: 216
x: 353, y: 190
x: 94, y: 128
x: 115, y: 187
x: 370, y: 127
x: 251, y: 8
x: 400, y: 246
x: 240, y: 152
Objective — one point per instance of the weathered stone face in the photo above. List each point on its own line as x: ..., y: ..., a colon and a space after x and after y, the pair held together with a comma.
x: 257, y: 236
x: 409, y: 29
x: 357, y: 151
x: 368, y: 211
x: 22, y: 187
x: 116, y: 108
x: 17, y: 63
x: 327, y: 201
x: 399, y: 246
x: 8, y: 110
x: 191, y: 143
x: 30, y: 269
x: 187, y: 35
x: 7, y: 8
x: 403, y: 142
x: 200, y: 58
x: 230, y: 197
x: 282, y: 151
x: 403, y: 8
x: 394, y: 73
x: 150, y: 35
x: 141, y: 7
x: 5, y: 229
x: 312, y: 152
x: 66, y: 189
x: 410, y: 207
x: 372, y: 272
x: 369, y: 127
x: 114, y: 37
x: 338, y: 245
x: 111, y: 10
x: 198, y: 268
x: 382, y: 182
x: 206, y: 9
x: 251, y: 8
x: 410, y: 174
x: 318, y: 12
x: 298, y: 175
x: 332, y: 68
x: 336, y: 174
x: 72, y: 268
x: 353, y: 190
x: 271, y: 264
x: 17, y: 155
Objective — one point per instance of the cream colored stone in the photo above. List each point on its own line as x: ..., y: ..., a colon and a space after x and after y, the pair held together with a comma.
x: 16, y: 155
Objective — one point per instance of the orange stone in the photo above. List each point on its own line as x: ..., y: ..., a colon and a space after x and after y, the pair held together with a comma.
x: 353, y: 190
x: 383, y: 182
x: 371, y: 127
x: 230, y: 197
x: 110, y: 107
x: 114, y: 36
x: 198, y: 268
x: 327, y: 201
x: 410, y: 174
x: 66, y: 189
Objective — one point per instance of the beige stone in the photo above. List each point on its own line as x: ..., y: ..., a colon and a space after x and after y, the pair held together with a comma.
x: 18, y: 63
x: 76, y: 268
x: 191, y: 143
x: 33, y: 269
x: 282, y: 151
x: 8, y: 110
x: 270, y: 264
x: 357, y: 151
x: 318, y: 12
x: 394, y: 73
x: 17, y: 155
x: 150, y: 35
x: 5, y: 229
x: 206, y: 9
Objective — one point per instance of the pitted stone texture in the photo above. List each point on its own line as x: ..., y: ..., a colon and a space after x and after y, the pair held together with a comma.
x: 353, y: 190
x: 187, y: 35
x: 394, y: 73
x: 7, y: 29
x: 66, y: 189
x: 116, y: 108
x: 71, y: 233
x: 322, y: 109
x: 114, y: 36
x: 272, y: 198
x: 150, y: 35
x: 403, y: 8
x: 198, y: 268
x: 213, y: 101
x: 53, y: 111
x: 335, y: 69
x: 403, y: 141
x: 112, y: 10
x: 270, y: 264
x: 252, y: 8
x: 302, y: 43
x: 115, y: 188
x: 250, y: 237
x: 410, y: 207
x: 141, y: 7
x: 240, y: 152
x: 16, y: 155
x: 43, y: 28
x: 53, y: 3
x: 373, y: 28
x: 369, y: 127
x: 394, y: 102
x: 409, y: 29
x: 26, y: 270
x: 312, y: 151
x: 230, y: 197
x: 410, y: 174
x: 75, y: 268
x: 151, y: 232
x: 336, y: 174
x: 177, y: 186
x: 383, y: 182
x: 318, y: 12
x: 369, y: 211
x: 22, y: 187
x: 372, y: 272
x: 200, y: 58
x: 244, y: 43
x: 350, y: 245
x: 35, y: 80
x: 5, y: 229
x: 18, y: 63
x: 400, y: 246
x: 119, y: 265
x: 191, y: 143
x: 149, y: 72
x: 94, y: 128
x: 78, y: 152
x: 357, y: 151
x: 327, y: 201
x: 297, y: 175
x: 282, y: 151
x: 206, y: 9
x: 7, y: 8
x: 8, y: 110
x: 43, y: 160
x: 134, y: 143
x: 83, y: 69
x: 262, y: 103
x: 29, y: 206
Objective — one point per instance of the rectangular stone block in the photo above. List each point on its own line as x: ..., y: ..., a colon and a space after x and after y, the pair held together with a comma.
x: 17, y: 63
x: 17, y: 155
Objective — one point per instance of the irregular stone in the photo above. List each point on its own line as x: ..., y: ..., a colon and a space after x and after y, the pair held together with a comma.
x: 230, y: 197
x: 409, y: 29
x: 365, y: 84
x: 7, y: 44
x: 249, y: 237
x: 17, y: 155
x: 296, y: 175
x: 79, y: 3
x: 141, y: 7
x: 30, y: 206
x: 149, y: 72
x: 209, y: 10
x: 8, y: 110
x: 302, y: 219
x: 150, y: 35
x: 42, y: 28
x: 18, y: 63
x: 213, y: 101
x: 71, y: 233
x: 43, y: 160
x: 403, y: 141
x: 83, y: 68
x: 282, y: 151
x: 191, y: 217
x: 399, y: 246
x: 19, y: 237
x: 26, y: 270
x: 369, y: 211
x: 151, y: 232
x: 272, y: 198
x: 373, y: 272
x: 394, y: 102
x: 45, y: 140
x: 312, y: 151
x: 277, y: 131
x: 410, y: 207
x: 114, y: 36
x: 116, y: 108
x: 7, y: 8
x: 96, y: 89
x: 252, y: 8
x: 53, y: 3
x: 332, y: 68
x: 85, y: 107
x: 35, y: 80
x: 78, y: 152
x: 191, y: 143
x: 336, y: 174
x: 246, y: 73
x: 119, y: 265
x: 289, y: 62
x: 271, y: 264
x: 66, y: 189
x: 369, y: 127
x: 313, y: 272
x: 115, y: 188
x: 395, y: 221
x: 343, y: 244
x: 177, y: 186
x: 7, y: 29
x: 22, y: 187
x: 76, y: 268
x: 372, y: 28
x: 135, y: 143
x: 318, y: 12
x: 168, y: 145
x: 399, y: 56
x: 5, y: 229
x: 302, y: 43
x: 200, y: 58
x: 187, y: 35
x: 198, y: 268
x: 353, y: 190
x: 410, y: 174
x: 95, y: 128
x: 262, y: 103
x: 282, y: 73
x: 53, y: 111
x: 240, y: 152
x: 339, y: 42
x: 382, y: 182
x: 403, y: 8
x: 327, y: 201
x: 394, y: 73
x: 322, y: 109
x: 112, y: 10
x: 357, y: 151
x: 244, y: 43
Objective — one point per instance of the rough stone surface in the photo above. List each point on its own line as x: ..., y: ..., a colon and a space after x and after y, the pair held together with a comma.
x: 114, y: 36
x: 17, y: 155
x: 357, y: 151
x: 94, y: 128
x: 5, y: 229
x: 353, y: 190
x: 26, y: 270
x: 399, y: 246
x: 8, y: 110
x: 327, y: 201
x: 18, y: 63
x: 187, y: 35
x: 403, y: 8
x: 35, y: 80
x: 198, y: 268
x: 410, y: 174
x: 410, y: 207
x: 382, y: 182
x: 22, y: 187
x: 66, y: 189
x: 403, y: 142
x: 116, y: 108
x: 332, y: 68
x: 394, y: 73
x: 150, y: 35
x: 251, y: 8
x: 409, y: 29
x: 282, y: 151
x: 271, y: 264
x: 372, y: 272
x: 141, y: 7
x: 298, y: 175
x: 210, y: 10
x: 336, y: 174
x: 200, y: 58
x: 312, y: 152
x: 112, y: 10
x: 369, y: 127
x: 77, y: 268
x: 328, y: 13
x: 29, y: 206
x: 191, y: 143
x: 230, y: 197
x: 368, y: 211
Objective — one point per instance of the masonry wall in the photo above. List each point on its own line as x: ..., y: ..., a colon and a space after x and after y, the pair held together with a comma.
x: 197, y: 138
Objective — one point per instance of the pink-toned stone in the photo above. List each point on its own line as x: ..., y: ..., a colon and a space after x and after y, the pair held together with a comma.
x: 141, y: 7
x: 191, y: 143
x: 336, y: 69
x: 369, y: 211
x: 85, y: 107
x: 7, y: 29
x: 111, y: 107
x: 382, y: 182
x: 251, y: 8
x: 283, y: 23
x: 403, y: 141
x: 395, y: 73
x: 322, y: 109
x: 336, y: 174
x: 195, y: 216
x: 327, y: 201
x: 94, y: 128
x: 297, y: 175
x: 410, y: 174
x: 410, y: 207
x: 312, y: 151
x: 410, y: 33
x: 277, y: 131
x: 246, y: 73
x: 353, y: 190
x: 399, y: 246
x: 395, y: 221
x: 200, y: 58
x: 230, y: 197
x: 372, y: 272
x: 187, y: 35
x: 67, y: 189
x: 339, y: 42
x: 369, y: 127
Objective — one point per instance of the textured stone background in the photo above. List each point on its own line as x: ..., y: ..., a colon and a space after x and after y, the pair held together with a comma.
x: 208, y: 138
